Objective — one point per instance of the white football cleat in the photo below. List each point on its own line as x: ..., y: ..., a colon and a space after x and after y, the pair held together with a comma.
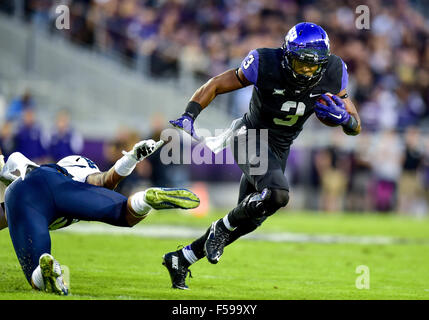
x: 52, y: 275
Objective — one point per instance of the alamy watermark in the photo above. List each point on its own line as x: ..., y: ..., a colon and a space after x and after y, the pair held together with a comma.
x: 363, y: 20
x: 249, y: 147
x: 362, y: 281
x: 63, y: 19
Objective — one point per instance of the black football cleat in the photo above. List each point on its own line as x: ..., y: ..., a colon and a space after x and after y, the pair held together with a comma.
x: 216, y: 241
x: 177, y: 267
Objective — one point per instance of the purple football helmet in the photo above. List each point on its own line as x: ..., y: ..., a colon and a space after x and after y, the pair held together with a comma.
x: 308, y: 43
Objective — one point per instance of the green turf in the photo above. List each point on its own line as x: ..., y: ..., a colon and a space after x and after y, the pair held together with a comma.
x: 129, y: 267
x: 316, y: 223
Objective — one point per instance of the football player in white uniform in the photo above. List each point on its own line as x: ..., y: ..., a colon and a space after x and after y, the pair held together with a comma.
x: 52, y: 196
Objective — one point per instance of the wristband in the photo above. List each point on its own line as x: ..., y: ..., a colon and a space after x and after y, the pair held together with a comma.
x: 238, y: 78
x: 351, y: 125
x: 193, y: 109
x: 125, y: 165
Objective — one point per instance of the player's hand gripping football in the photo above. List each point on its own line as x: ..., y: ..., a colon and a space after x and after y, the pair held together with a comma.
x: 143, y: 149
x: 186, y: 123
x: 334, y: 111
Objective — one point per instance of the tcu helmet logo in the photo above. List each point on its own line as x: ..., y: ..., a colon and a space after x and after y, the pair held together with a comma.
x: 292, y: 35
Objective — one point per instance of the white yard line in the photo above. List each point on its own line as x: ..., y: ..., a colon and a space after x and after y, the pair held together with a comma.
x: 181, y: 232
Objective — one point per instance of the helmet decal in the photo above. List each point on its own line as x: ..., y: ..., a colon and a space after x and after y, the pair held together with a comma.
x: 292, y: 35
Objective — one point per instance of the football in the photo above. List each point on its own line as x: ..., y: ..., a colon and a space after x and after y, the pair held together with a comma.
x: 326, y: 121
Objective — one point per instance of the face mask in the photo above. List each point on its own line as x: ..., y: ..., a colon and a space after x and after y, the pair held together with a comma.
x: 305, y: 68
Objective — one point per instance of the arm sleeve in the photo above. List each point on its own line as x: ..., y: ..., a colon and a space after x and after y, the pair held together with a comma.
x: 250, y: 66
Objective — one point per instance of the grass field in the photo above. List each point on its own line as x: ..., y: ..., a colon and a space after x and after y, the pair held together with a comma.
x: 107, y: 266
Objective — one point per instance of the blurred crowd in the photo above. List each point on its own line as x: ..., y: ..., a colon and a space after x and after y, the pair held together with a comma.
x: 384, y: 172
x: 388, y: 66
x: 20, y: 131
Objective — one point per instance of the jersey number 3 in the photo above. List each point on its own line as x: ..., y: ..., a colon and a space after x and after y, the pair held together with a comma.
x: 290, y: 120
x: 249, y: 61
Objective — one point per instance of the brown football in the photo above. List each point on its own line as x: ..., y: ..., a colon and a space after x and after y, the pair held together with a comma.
x: 326, y: 122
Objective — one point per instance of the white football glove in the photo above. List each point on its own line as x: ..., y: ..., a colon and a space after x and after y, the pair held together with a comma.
x: 143, y: 149
x: 16, y: 162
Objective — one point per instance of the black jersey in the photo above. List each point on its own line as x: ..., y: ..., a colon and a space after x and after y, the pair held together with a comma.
x: 271, y: 107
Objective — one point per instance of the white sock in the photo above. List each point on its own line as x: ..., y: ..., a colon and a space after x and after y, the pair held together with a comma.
x: 37, y: 278
x: 139, y: 205
x: 189, y: 254
x: 125, y: 165
x: 227, y: 224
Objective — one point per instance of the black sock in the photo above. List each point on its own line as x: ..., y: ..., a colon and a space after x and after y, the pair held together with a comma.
x: 182, y: 256
x: 237, y: 215
x: 198, y: 245
x: 245, y: 227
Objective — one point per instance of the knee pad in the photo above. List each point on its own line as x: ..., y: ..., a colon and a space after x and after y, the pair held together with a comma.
x: 259, y: 205
x: 266, y: 202
x: 279, y: 198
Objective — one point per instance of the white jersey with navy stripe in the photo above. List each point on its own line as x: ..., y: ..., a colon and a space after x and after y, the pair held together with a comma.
x: 79, y: 167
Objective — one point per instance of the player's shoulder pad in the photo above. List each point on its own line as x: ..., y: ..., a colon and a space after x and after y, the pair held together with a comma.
x: 269, y: 54
x: 336, y: 75
x: 261, y: 64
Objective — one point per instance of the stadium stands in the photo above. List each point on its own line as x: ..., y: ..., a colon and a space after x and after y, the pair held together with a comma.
x: 126, y: 58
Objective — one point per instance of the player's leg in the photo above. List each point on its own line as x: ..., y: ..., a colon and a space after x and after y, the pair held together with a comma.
x: 87, y: 202
x: 92, y: 203
x: 29, y: 208
x: 262, y: 193
x: 246, y: 188
x: 28, y: 229
x: 272, y: 193
x: 81, y: 201
x: 196, y: 248
x: 141, y: 203
x: 178, y: 262
x: 244, y: 218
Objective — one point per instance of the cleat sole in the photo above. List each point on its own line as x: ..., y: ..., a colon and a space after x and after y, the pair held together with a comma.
x: 171, y: 198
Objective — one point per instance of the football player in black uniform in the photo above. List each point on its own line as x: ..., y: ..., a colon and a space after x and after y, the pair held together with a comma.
x: 287, y: 83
